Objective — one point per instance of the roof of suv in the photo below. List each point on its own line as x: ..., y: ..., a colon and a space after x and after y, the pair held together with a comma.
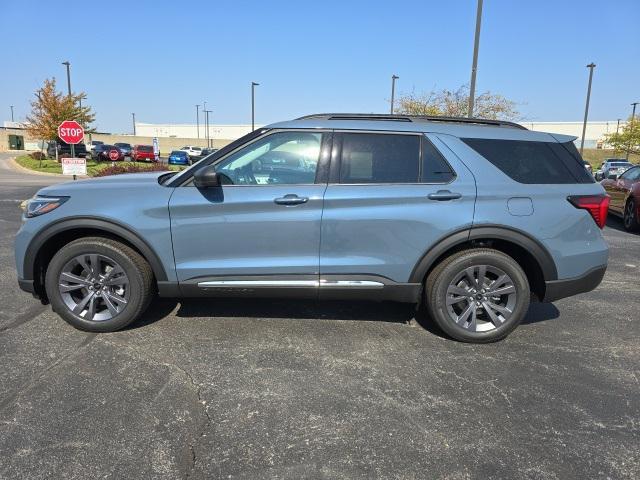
x: 459, y: 127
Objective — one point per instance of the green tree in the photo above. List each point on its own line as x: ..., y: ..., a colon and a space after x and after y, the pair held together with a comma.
x: 627, y: 140
x: 455, y: 103
x: 50, y: 108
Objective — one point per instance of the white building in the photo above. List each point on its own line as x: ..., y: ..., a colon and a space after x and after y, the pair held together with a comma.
x: 594, y: 136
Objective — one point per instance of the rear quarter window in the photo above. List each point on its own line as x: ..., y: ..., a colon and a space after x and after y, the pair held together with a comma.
x: 533, y: 162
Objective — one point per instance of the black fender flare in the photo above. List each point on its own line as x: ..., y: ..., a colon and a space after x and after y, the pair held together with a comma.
x: 489, y: 232
x: 94, y: 223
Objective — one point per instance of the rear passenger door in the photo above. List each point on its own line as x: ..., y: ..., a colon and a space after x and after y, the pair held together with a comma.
x: 391, y: 196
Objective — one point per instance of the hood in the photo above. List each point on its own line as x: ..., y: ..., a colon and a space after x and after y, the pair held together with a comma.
x: 125, y: 180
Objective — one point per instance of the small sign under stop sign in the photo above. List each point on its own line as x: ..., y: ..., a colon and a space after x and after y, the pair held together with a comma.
x: 114, y: 155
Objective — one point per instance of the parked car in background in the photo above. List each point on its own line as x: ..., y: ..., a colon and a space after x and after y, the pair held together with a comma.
x: 80, y: 150
x: 93, y: 144
x: 605, y: 168
x: 614, y: 169
x: 125, y: 148
x: 469, y: 218
x: 192, y: 150
x: 625, y: 197
x: 143, y: 153
x: 101, y: 153
x: 179, y: 157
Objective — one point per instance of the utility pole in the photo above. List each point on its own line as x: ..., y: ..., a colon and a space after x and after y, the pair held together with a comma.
x: 393, y: 90
x: 133, y: 116
x: 633, y: 117
x: 618, y: 126
x: 198, y: 119
x: 591, y: 66
x: 253, y: 105
x: 11, y: 112
x: 206, y: 116
x: 68, y: 65
x: 474, y: 65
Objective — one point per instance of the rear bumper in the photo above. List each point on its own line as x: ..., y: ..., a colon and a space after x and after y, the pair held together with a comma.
x: 558, y: 289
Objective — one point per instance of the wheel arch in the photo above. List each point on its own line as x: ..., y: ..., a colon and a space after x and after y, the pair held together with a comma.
x: 48, y: 241
x: 532, y: 256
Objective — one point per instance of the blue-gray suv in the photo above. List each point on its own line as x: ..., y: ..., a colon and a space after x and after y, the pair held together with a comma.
x: 470, y: 218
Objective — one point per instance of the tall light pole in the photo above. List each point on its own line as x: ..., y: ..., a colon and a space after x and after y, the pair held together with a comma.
x: 393, y: 90
x: 68, y: 65
x: 11, y: 112
x: 133, y: 119
x: 206, y: 116
x: 198, y: 119
x: 591, y: 66
x: 633, y: 117
x: 253, y: 105
x: 618, y: 126
x: 474, y: 65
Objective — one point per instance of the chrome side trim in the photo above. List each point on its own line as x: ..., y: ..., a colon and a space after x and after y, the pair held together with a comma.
x: 291, y: 283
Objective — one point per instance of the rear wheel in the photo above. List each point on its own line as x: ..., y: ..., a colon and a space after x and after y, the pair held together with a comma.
x: 630, y: 217
x: 99, y: 285
x: 478, y: 295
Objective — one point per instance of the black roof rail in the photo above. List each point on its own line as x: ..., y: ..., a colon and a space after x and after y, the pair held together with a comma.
x: 410, y: 118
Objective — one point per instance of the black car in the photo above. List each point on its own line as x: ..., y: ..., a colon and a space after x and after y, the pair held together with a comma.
x: 101, y: 153
x: 125, y: 148
x: 64, y: 149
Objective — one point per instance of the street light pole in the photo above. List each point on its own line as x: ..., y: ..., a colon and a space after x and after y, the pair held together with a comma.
x: 68, y: 65
x: 206, y: 116
x: 393, y: 90
x: 133, y: 116
x: 11, y: 112
x: 253, y: 104
x: 198, y: 119
x: 591, y: 66
x: 633, y: 117
x: 618, y: 126
x: 474, y: 65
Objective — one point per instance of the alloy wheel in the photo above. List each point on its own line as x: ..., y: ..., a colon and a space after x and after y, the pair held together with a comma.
x: 628, y: 214
x: 94, y: 287
x: 481, y: 298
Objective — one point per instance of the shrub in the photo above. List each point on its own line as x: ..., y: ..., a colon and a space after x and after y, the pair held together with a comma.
x: 38, y: 156
x: 118, y: 169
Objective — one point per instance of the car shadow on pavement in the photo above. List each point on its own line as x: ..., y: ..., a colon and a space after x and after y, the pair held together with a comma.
x: 614, y: 222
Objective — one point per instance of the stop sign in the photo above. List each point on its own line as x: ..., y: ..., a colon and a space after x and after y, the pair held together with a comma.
x: 114, y: 154
x: 70, y: 132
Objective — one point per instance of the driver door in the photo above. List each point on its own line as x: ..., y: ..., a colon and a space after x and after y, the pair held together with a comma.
x: 261, y: 229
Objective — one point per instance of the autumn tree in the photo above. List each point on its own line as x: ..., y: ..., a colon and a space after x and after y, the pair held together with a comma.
x: 455, y: 103
x: 50, y: 108
x: 627, y: 140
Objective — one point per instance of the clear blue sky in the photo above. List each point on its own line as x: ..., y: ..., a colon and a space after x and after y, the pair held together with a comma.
x: 159, y: 59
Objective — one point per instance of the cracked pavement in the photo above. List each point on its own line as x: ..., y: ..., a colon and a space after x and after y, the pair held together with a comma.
x: 284, y: 389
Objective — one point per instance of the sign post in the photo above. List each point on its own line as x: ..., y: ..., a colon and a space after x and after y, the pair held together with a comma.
x: 72, y: 133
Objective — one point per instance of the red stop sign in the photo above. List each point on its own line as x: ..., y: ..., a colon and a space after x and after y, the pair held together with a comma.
x: 70, y: 132
x: 114, y: 154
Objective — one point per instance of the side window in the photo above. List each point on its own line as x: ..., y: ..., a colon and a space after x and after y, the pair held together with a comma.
x: 277, y: 159
x: 632, y: 174
x: 435, y: 168
x: 379, y: 158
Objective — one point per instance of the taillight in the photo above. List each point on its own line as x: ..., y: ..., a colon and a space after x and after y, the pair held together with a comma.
x: 596, y: 205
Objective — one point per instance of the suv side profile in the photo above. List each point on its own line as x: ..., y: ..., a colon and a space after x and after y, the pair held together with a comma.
x: 469, y: 217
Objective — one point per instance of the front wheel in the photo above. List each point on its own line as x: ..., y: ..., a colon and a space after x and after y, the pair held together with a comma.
x: 478, y: 295
x: 99, y: 285
x: 630, y: 218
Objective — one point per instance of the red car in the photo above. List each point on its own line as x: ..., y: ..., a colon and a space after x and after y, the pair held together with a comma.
x: 625, y: 197
x: 143, y: 153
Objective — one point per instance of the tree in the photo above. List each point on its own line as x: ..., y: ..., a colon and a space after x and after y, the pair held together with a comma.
x: 50, y: 108
x: 455, y: 103
x: 627, y: 140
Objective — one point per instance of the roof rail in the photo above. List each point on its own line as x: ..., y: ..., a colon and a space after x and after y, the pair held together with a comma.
x: 410, y: 118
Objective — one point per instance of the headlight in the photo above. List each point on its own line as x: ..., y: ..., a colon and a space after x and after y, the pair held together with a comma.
x: 40, y: 205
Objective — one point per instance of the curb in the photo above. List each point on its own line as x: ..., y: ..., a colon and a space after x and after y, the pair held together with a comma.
x: 16, y: 166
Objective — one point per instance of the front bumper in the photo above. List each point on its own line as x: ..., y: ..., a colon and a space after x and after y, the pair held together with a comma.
x: 557, y: 289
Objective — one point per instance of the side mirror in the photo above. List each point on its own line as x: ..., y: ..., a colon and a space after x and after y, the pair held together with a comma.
x: 207, y: 177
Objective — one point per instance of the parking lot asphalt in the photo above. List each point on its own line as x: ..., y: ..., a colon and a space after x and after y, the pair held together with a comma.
x: 292, y: 389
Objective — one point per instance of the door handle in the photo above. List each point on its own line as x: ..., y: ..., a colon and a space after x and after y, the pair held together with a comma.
x: 291, y: 199
x: 442, y: 195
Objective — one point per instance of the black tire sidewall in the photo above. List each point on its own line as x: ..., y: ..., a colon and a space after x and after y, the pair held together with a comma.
x: 135, y: 284
x: 437, y: 302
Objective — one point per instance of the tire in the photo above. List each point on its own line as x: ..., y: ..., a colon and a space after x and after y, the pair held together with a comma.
x: 104, y: 301
x: 630, y: 216
x: 472, y: 318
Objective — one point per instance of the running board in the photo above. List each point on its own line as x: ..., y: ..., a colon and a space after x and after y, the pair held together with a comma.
x: 369, y: 284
